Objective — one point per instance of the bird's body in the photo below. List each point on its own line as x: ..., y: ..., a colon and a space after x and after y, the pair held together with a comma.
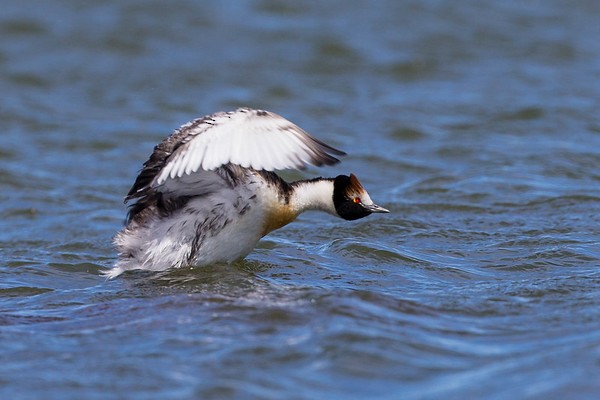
x: 208, y: 194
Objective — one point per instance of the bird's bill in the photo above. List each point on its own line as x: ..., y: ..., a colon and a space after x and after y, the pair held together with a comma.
x: 374, y: 208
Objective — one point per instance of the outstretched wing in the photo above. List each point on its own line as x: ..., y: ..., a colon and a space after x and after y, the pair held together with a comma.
x: 256, y: 139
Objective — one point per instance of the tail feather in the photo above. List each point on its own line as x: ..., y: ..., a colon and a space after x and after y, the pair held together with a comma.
x: 113, y: 272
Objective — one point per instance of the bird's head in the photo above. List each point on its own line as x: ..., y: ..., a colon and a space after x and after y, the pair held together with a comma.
x: 351, y: 200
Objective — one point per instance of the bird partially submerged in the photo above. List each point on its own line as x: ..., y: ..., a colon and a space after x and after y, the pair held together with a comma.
x: 208, y: 192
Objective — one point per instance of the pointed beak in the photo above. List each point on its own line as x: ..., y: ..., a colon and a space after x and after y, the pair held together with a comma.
x: 374, y: 208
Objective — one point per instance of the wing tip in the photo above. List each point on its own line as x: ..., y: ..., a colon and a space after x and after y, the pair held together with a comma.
x: 324, y: 154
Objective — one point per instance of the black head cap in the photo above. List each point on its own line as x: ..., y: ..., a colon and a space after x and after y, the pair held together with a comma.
x: 351, y: 200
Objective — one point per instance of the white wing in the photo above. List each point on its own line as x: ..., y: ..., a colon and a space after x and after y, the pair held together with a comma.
x: 256, y: 139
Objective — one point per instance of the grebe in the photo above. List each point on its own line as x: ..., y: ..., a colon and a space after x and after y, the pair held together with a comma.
x: 208, y: 192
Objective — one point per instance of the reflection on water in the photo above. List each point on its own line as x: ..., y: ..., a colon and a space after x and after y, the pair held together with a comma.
x: 475, y: 123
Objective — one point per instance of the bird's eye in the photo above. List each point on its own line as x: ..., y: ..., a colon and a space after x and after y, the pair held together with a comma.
x: 356, y: 200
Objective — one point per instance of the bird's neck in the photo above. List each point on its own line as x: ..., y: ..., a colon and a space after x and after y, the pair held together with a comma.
x: 313, y: 194
x: 295, y: 198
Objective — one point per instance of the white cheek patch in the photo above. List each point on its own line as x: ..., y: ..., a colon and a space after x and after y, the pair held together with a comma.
x: 366, y: 199
x: 363, y: 196
x: 356, y: 190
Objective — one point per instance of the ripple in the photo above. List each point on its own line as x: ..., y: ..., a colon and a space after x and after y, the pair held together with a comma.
x: 329, y: 54
x: 361, y: 250
x: 87, y: 267
x: 407, y: 134
x: 31, y: 80
x: 28, y: 212
x: 6, y: 154
x: 22, y: 27
x: 411, y: 70
x: 22, y: 291
x: 544, y: 259
x: 9, y: 320
x: 523, y: 114
x: 279, y: 8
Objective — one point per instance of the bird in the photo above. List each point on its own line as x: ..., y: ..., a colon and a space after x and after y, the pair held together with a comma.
x: 208, y: 192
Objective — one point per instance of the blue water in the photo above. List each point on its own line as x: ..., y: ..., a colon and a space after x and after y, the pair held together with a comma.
x: 475, y: 122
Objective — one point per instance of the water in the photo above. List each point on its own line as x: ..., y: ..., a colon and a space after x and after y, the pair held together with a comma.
x: 475, y: 123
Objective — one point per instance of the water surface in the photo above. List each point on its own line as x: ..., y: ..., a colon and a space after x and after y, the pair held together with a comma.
x: 475, y: 123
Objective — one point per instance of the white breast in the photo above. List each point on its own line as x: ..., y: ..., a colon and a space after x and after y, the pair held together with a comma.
x: 220, y: 227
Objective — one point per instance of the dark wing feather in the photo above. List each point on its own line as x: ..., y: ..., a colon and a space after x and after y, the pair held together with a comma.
x: 249, y: 138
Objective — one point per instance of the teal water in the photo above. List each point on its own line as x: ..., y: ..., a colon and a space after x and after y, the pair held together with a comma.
x: 476, y: 123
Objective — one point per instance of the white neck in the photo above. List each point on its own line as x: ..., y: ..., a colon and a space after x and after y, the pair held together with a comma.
x: 313, y: 195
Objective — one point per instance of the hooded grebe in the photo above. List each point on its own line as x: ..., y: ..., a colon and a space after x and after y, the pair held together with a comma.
x: 207, y: 193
